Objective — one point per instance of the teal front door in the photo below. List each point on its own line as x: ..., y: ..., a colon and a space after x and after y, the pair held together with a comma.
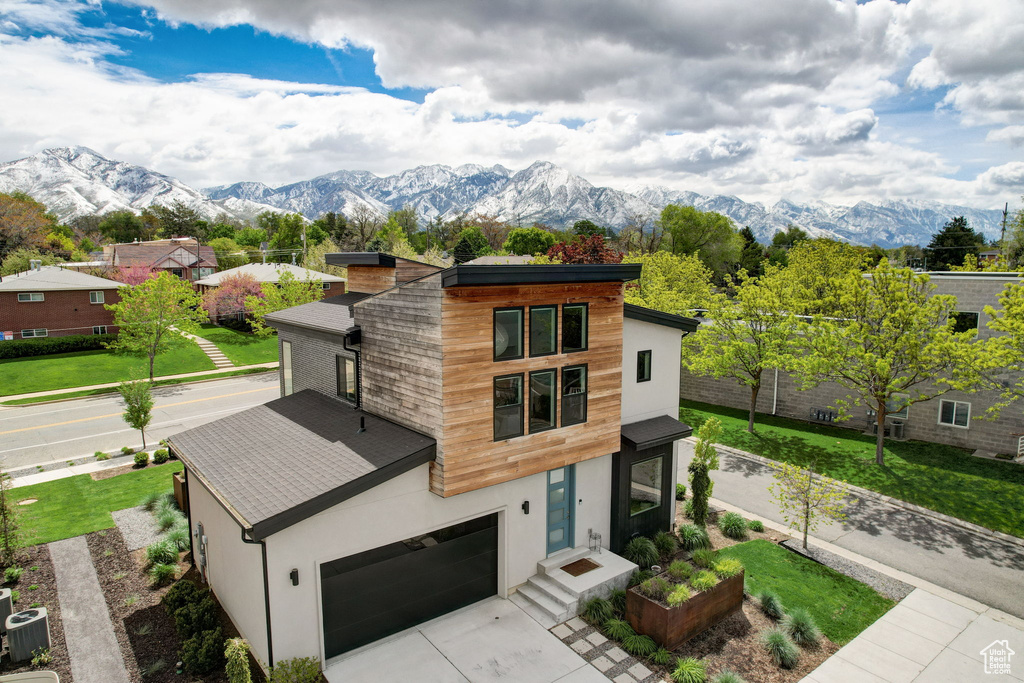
x: 561, y: 494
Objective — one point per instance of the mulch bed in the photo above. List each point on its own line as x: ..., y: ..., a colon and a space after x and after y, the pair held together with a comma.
x: 38, y: 556
x: 112, y: 472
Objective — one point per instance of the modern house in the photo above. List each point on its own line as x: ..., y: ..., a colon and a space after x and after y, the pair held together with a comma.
x: 442, y: 436
x: 271, y: 272
x: 953, y: 418
x: 48, y: 301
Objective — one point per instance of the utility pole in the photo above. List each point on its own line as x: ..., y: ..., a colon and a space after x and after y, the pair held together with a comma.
x: 1002, y: 234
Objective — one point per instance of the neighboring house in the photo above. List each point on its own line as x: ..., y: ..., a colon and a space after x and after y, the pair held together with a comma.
x: 271, y: 272
x: 182, y: 257
x: 948, y: 419
x: 443, y: 436
x: 48, y: 301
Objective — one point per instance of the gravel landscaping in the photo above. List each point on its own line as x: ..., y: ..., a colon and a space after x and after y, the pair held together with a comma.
x: 137, y: 527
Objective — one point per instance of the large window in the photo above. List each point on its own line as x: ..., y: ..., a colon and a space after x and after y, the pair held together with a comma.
x: 347, y: 378
x: 542, y: 400
x: 574, y: 327
x: 26, y: 297
x: 964, y: 321
x: 96, y: 297
x: 644, y: 485
x: 954, y: 413
x: 39, y: 332
x: 643, y: 366
x: 286, y: 366
x: 508, y: 333
x: 99, y: 329
x: 543, y: 330
x: 508, y: 407
x: 574, y: 395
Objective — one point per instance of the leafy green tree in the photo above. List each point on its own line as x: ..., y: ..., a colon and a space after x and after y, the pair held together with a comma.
x: 220, y: 231
x: 316, y: 258
x: 391, y: 238
x: 669, y: 283
x: 335, y: 225
x: 363, y: 223
x: 704, y: 461
x: 137, y: 395
x: 949, y: 245
x: 528, y: 241
x: 588, y: 228
x: 406, y: 219
x: 752, y: 254
x: 1013, y: 242
x: 18, y: 261
x: 1005, y: 367
x: 10, y: 530
x: 152, y: 315
x: 229, y: 253
x: 177, y: 220
x: 286, y: 293
x: 470, y: 244
x: 890, y: 344
x: 783, y: 241
x: 747, y: 335
x: 251, y: 237
x: 805, y: 499
x: 285, y: 231
x: 24, y: 223
x: 816, y: 273
x: 710, y: 235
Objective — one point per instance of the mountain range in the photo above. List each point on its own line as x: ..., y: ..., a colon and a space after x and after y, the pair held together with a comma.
x: 75, y: 181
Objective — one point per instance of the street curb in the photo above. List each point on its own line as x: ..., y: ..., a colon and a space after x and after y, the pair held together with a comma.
x: 874, y: 495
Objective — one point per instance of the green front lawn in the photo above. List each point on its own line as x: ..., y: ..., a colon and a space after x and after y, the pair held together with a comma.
x: 82, y: 368
x: 79, y: 505
x: 241, y: 348
x: 943, y: 478
x: 842, y: 607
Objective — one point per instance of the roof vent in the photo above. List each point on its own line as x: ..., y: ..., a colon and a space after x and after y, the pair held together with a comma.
x: 362, y: 424
x: 35, y: 264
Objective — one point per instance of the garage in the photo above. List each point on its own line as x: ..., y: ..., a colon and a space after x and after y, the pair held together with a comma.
x: 374, y: 594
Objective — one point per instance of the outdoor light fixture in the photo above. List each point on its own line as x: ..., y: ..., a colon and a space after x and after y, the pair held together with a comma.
x: 295, y: 577
x: 526, y: 507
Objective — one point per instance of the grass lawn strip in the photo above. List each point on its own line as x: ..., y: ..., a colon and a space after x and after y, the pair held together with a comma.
x: 841, y: 606
x: 68, y: 370
x: 241, y: 348
x: 79, y: 505
x: 936, y: 476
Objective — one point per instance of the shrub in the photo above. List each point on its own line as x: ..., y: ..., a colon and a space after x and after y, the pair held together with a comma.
x: 127, y: 450
x: 639, y: 576
x: 781, y: 649
x: 655, y: 588
x: 100, y: 455
x: 638, y: 645
x: 165, y: 503
x: 183, y: 593
x: 728, y: 567
x: 729, y: 677
x: 688, y: 508
x: 661, y: 657
x: 236, y: 656
x: 168, y: 518
x: 666, y: 543
x: 678, y: 596
x: 13, y: 574
x: 178, y: 536
x: 150, y: 501
x: 618, y: 628
x: 161, y: 552
x: 641, y: 551
x: 692, y: 537
x: 732, y: 525
x: 618, y: 600
x: 162, y: 573
x: 195, y: 617
x: 704, y: 580
x: 680, y: 491
x: 160, y: 457
x: 770, y: 604
x: 598, y: 610
x: 141, y: 459
x: 15, y: 595
x: 297, y: 670
x: 704, y: 558
x: 24, y: 348
x: 680, y: 570
x: 203, y: 652
x: 689, y: 670
x: 758, y: 526
x: 41, y: 657
x: 800, y: 626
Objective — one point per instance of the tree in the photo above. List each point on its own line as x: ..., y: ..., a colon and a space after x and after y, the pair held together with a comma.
x: 806, y: 499
x: 316, y: 258
x: 587, y: 228
x: 406, y: 219
x: 949, y: 245
x: 285, y: 231
x: 123, y: 226
x: 390, y: 239
x: 229, y: 298
x: 19, y: 260
x: 748, y: 334
x: 496, y: 231
x: 134, y: 275
x: 10, y: 531
x: 236, y: 656
x: 286, y: 293
x: 641, y: 234
x: 470, y: 244
x: 528, y: 241
x: 229, y: 253
x: 752, y: 254
x: 363, y: 222
x: 783, y: 241
x: 890, y: 344
x: 220, y: 231
x: 137, y: 395
x: 335, y: 225
x: 24, y: 223
x: 816, y: 273
x: 584, y: 250
x: 153, y: 314
x: 251, y: 237
x: 704, y: 461
x: 1005, y: 367
x: 177, y: 220
x: 669, y: 283
x: 1013, y: 242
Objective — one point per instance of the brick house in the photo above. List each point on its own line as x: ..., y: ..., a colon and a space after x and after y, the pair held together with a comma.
x: 54, y: 302
x: 182, y: 257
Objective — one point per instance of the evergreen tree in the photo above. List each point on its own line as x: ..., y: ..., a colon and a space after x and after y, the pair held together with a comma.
x: 752, y: 256
x: 952, y: 243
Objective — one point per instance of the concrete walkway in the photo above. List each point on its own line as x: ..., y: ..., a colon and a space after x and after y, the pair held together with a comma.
x: 92, y: 646
x: 211, y: 350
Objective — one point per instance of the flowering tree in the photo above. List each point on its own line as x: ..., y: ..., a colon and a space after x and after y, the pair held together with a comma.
x: 584, y: 250
x: 806, y: 498
x: 229, y: 298
x: 134, y: 275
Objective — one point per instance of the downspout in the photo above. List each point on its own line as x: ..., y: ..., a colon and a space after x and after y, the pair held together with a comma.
x: 188, y: 515
x: 775, y: 393
x: 359, y: 368
x: 266, y: 597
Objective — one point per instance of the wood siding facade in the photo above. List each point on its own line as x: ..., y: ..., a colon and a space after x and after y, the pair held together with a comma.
x: 376, y: 279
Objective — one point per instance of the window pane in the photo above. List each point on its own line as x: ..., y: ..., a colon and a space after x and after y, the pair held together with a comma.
x: 644, y: 486
x: 574, y: 396
x: 964, y: 321
x: 347, y: 378
x: 946, y: 409
x: 963, y: 411
x: 508, y: 407
x: 542, y: 400
x: 574, y: 328
x: 643, y: 366
x: 508, y: 334
x: 286, y: 366
x: 556, y: 536
x: 556, y: 476
x: 543, y: 330
x: 556, y: 496
x: 555, y: 516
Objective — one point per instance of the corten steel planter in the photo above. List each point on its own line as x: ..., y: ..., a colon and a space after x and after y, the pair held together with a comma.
x: 670, y: 627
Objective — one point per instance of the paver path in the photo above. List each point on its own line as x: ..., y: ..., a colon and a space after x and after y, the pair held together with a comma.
x: 92, y: 646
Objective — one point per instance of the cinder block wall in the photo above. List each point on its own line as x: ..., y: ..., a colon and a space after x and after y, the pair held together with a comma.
x: 314, y: 363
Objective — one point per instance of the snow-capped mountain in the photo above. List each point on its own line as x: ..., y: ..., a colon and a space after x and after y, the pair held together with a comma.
x: 76, y: 181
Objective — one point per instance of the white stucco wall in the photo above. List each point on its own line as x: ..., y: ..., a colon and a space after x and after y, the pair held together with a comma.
x: 235, y: 569
x: 402, y: 508
x: 659, y: 396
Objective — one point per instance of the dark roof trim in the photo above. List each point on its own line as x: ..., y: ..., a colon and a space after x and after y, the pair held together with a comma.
x: 360, y: 258
x: 539, y: 274
x: 649, y: 315
x: 303, y: 511
x: 656, y: 431
x: 331, y: 335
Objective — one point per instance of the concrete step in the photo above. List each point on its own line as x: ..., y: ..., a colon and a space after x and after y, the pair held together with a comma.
x: 536, y: 613
x: 553, y: 590
x: 548, y: 605
x: 561, y: 558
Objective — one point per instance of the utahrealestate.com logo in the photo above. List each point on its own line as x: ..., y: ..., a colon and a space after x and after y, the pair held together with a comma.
x: 997, y: 657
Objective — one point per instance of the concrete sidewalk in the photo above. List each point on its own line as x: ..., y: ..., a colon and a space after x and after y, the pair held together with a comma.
x: 72, y: 470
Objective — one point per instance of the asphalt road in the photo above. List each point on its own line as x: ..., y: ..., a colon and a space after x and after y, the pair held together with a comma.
x: 985, y: 569
x: 31, y: 435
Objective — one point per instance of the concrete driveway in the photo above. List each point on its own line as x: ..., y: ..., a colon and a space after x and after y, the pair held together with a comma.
x: 493, y: 640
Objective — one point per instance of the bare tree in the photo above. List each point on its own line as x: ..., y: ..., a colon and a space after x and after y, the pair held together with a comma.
x: 641, y: 234
x: 364, y: 223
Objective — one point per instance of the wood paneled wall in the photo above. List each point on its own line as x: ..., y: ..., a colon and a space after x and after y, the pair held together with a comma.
x: 412, y: 270
x: 370, y: 279
x: 468, y: 457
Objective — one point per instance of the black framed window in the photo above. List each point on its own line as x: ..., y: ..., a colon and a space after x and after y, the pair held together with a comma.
x: 574, y: 327
x: 574, y: 395
x: 644, y: 485
x: 508, y: 407
x: 543, y: 330
x: 964, y: 321
x: 643, y: 366
x: 508, y: 333
x: 348, y: 378
x: 286, y: 366
x: 542, y: 400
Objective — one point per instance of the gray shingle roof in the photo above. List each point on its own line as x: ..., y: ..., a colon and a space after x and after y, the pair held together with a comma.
x: 269, y: 272
x: 654, y: 432
x: 333, y: 314
x: 277, y: 464
x: 52, y: 278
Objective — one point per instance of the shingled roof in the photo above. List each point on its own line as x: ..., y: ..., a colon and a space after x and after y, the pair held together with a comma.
x: 279, y: 463
x: 53, y: 278
x: 654, y: 432
x: 333, y: 314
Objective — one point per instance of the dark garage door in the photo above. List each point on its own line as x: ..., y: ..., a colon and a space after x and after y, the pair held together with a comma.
x: 385, y: 590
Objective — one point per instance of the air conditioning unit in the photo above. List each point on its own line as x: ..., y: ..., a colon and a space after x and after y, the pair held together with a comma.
x: 6, y: 608
x: 27, y: 632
